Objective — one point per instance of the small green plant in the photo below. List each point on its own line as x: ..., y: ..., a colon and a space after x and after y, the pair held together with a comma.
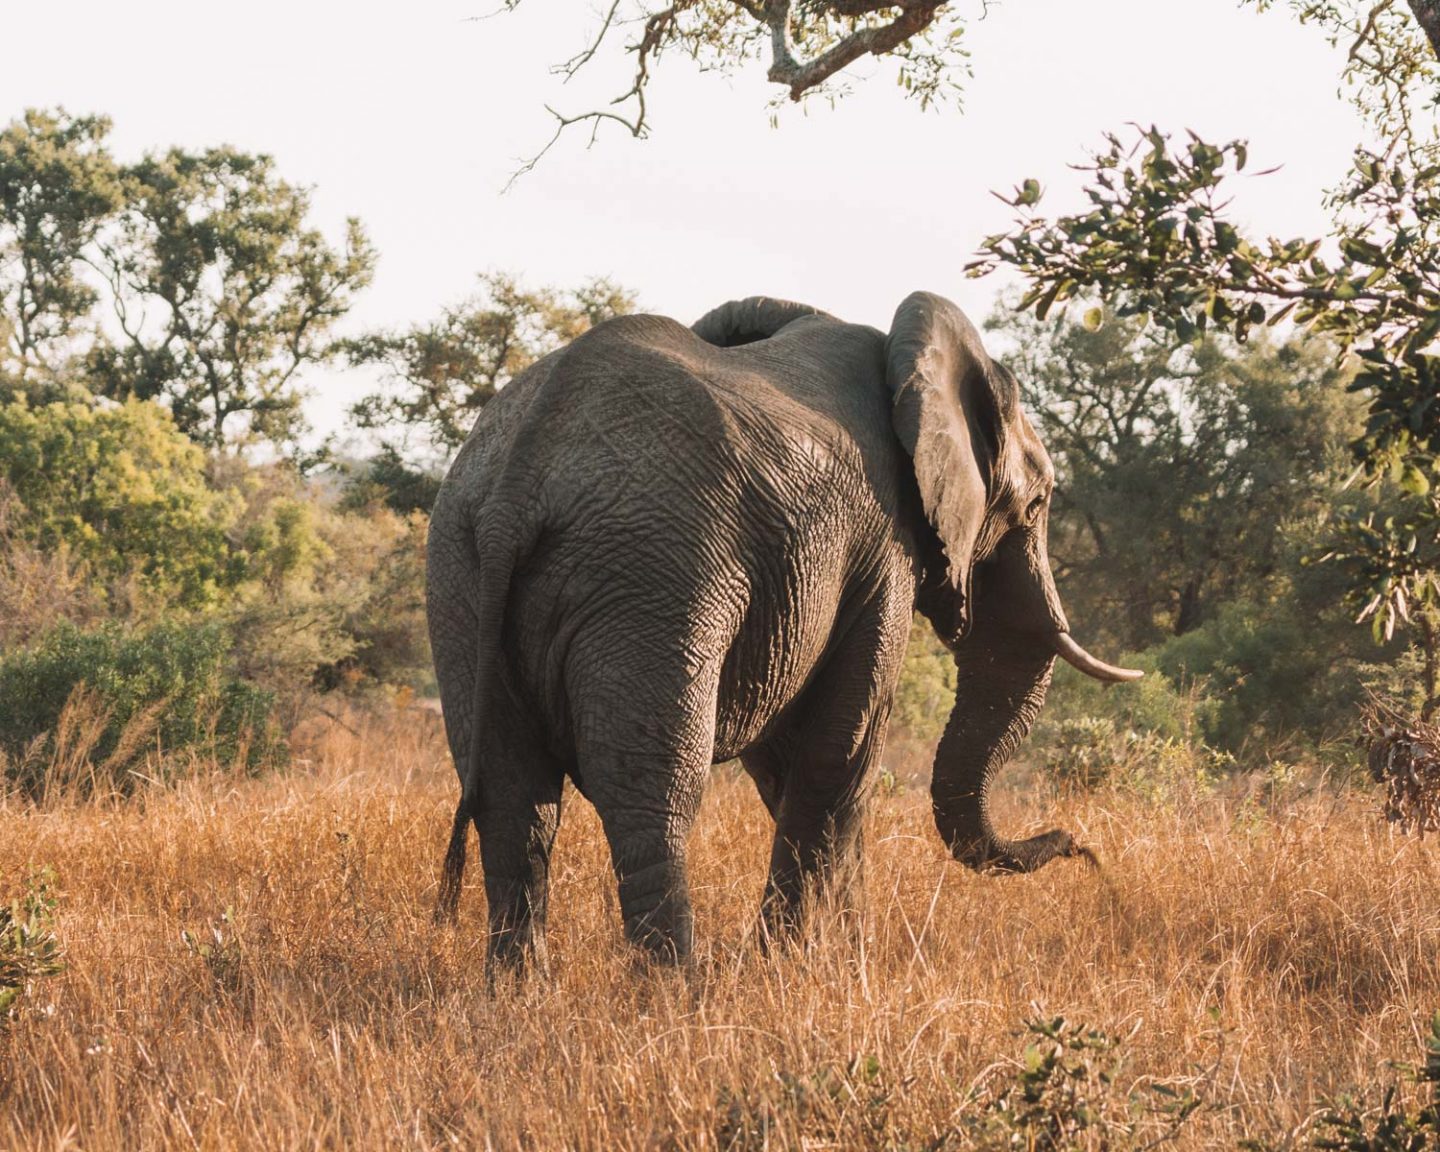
x: 834, y: 1105
x: 1403, y: 1122
x: 1067, y: 1094
x: 29, y: 949
x: 219, y: 950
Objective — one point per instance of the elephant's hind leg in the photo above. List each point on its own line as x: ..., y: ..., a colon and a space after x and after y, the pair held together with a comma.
x: 644, y: 760
x: 519, y: 814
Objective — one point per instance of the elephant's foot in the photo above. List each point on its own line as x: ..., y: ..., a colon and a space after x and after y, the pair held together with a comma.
x: 655, y: 902
x: 516, y: 942
x: 516, y: 954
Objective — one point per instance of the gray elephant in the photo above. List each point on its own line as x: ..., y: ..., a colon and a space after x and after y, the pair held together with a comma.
x: 664, y: 547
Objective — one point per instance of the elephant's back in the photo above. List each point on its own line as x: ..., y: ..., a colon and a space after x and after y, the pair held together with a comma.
x: 715, y: 504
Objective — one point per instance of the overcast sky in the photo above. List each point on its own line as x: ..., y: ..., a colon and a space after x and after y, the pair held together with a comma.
x: 412, y: 117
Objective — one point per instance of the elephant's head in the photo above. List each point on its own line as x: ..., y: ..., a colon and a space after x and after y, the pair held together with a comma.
x: 985, y: 482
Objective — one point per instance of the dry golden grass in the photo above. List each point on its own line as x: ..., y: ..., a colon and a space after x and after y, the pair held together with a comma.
x: 1266, y: 957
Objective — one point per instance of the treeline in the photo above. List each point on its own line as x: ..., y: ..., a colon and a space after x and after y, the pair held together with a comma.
x: 182, y: 567
x: 181, y: 558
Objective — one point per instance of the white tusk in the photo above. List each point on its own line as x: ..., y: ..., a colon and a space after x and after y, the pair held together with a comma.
x: 1074, y: 654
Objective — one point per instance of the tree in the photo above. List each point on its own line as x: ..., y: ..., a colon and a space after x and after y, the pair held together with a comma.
x: 1156, y: 242
x: 58, y: 186
x: 1178, y: 468
x: 386, y: 480
x: 222, y: 293
x: 438, y: 376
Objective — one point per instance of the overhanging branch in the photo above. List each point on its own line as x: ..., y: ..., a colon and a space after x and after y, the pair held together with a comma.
x: 727, y: 29
x: 801, y: 76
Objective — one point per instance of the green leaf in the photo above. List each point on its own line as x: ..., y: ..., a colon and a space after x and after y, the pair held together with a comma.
x: 1414, y: 481
x: 1093, y: 319
x: 1027, y: 194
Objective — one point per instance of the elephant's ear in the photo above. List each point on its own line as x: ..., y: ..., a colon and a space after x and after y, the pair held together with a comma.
x: 746, y: 321
x: 949, y: 408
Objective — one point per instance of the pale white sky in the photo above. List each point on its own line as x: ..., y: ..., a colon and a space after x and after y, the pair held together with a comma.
x: 413, y: 116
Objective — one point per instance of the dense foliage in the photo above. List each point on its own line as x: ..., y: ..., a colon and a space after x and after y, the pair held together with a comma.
x: 179, y: 573
x: 121, y: 490
x: 194, y: 277
x: 168, y: 687
x: 1156, y: 242
x: 438, y: 375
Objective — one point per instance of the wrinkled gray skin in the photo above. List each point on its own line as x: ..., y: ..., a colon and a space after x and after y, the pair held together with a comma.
x: 662, y: 548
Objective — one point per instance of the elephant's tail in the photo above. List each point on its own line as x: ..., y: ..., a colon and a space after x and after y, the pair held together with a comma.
x: 454, y: 869
x: 497, y: 562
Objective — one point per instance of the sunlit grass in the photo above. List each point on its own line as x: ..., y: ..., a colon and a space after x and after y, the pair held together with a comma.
x: 251, y: 963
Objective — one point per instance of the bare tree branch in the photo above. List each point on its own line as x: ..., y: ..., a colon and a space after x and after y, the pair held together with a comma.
x: 636, y: 128
x: 580, y: 59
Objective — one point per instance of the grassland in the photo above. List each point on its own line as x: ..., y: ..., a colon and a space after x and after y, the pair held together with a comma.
x: 250, y: 963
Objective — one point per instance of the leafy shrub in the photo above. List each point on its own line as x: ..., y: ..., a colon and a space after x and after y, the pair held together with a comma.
x: 1091, y: 752
x: 39, y: 587
x: 1067, y: 1094
x: 1145, y: 737
x: 338, y: 603
x: 28, y: 947
x: 927, y: 684
x: 1157, y: 704
x: 124, y: 491
x: 1406, y: 1117
x: 1398, y: 1124
x: 1270, y: 672
x: 172, y: 678
x: 836, y: 1105
x: 385, y: 479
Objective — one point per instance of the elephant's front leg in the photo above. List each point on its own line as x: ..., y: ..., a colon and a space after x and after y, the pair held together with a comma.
x: 816, y: 852
x: 821, y: 757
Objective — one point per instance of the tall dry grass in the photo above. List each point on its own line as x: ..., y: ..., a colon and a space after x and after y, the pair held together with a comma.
x: 251, y: 964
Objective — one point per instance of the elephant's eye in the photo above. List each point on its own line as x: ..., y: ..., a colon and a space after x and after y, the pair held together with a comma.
x: 1034, y: 508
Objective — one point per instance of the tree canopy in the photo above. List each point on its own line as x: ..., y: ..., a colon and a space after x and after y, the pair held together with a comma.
x: 437, y: 376
x: 58, y: 187
x: 222, y: 293
x: 1177, y: 467
x: 1156, y: 242
x: 194, y: 278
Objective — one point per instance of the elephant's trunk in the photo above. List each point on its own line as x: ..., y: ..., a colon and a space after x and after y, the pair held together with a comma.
x: 1003, y: 670
x: 998, y: 695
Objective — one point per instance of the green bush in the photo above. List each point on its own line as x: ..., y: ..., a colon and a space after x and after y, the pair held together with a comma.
x: 1148, y: 737
x: 124, y: 491
x: 927, y: 684
x: 1274, y: 675
x: 168, y: 686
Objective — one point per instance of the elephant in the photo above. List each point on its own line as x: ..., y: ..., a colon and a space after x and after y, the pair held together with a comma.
x: 662, y: 548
